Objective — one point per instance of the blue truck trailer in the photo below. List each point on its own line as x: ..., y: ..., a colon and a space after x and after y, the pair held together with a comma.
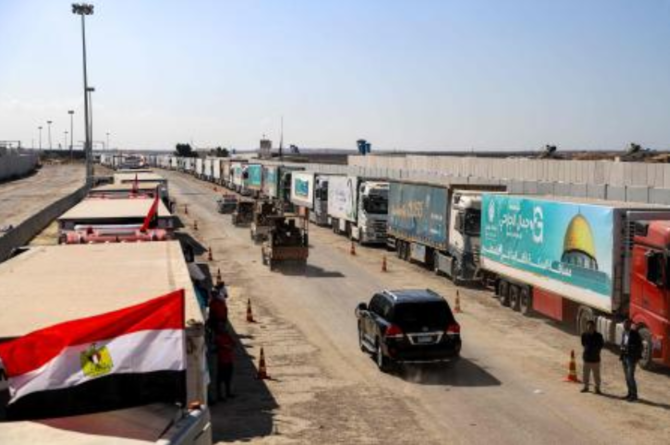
x: 437, y: 225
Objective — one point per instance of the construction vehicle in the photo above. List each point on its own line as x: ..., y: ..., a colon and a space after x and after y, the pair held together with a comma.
x: 244, y: 212
x: 262, y: 222
x: 577, y: 259
x: 287, y: 241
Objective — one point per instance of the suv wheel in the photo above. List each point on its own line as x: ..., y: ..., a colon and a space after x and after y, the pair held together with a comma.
x: 382, y: 361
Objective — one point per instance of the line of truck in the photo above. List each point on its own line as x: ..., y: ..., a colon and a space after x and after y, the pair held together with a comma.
x: 570, y: 259
x: 102, y: 266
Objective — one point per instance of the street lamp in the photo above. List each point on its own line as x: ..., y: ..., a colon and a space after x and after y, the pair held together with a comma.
x: 40, y: 129
x: 84, y: 9
x: 49, y: 128
x: 65, y: 139
x: 71, y: 113
x: 108, y: 140
x: 90, y: 116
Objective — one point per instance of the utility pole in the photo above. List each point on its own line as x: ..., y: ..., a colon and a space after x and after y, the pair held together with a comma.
x: 65, y: 139
x: 71, y: 113
x: 83, y: 10
x: 107, y: 141
x: 49, y: 128
x: 40, y: 129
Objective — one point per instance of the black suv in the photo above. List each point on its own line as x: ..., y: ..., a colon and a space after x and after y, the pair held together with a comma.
x: 408, y: 326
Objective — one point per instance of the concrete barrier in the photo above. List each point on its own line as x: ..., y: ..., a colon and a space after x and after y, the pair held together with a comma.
x: 16, y: 165
x: 28, y: 229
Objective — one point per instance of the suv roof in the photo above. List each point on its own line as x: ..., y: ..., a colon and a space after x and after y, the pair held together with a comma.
x: 413, y: 295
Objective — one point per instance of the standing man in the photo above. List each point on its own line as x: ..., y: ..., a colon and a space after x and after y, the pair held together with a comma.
x: 631, y: 353
x: 593, y: 342
x: 218, y: 307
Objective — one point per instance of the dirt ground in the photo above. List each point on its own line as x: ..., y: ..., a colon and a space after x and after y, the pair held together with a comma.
x: 507, y: 389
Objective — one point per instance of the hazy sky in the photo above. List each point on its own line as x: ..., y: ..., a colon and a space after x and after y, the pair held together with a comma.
x: 413, y: 74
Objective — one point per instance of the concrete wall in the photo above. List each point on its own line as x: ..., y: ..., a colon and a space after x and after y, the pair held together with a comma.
x: 28, y: 229
x: 15, y: 166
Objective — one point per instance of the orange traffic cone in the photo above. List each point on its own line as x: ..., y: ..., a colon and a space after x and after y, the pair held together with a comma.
x: 210, y: 257
x: 185, y: 209
x: 353, y: 248
x: 457, y: 305
x: 262, y: 370
x: 384, y: 268
x: 250, y: 315
x: 218, y: 276
x: 195, y: 225
x: 572, y: 369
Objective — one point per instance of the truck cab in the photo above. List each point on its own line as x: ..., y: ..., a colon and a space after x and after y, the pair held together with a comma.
x: 372, y: 213
x: 462, y: 262
x: 650, y: 290
x: 320, y: 213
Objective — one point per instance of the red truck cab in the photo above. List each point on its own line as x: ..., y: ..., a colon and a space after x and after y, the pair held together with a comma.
x: 650, y: 290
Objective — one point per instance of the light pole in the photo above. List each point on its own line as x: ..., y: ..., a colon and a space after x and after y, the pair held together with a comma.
x: 40, y: 129
x: 65, y: 140
x: 71, y: 113
x: 49, y: 128
x: 108, y: 140
x: 84, y: 9
x: 90, y: 117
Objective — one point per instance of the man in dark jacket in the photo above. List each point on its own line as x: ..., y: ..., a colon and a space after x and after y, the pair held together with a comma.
x: 631, y: 353
x: 593, y: 342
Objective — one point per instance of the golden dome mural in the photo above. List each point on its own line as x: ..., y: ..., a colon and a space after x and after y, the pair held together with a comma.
x: 578, y: 242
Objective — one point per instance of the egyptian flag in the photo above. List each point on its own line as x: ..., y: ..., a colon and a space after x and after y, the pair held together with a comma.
x: 129, y: 357
x: 152, y: 217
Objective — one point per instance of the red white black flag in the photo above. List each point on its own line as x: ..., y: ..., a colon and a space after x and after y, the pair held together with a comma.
x: 129, y: 357
x: 152, y: 216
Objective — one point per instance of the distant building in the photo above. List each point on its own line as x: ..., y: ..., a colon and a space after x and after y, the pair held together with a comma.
x: 265, y: 152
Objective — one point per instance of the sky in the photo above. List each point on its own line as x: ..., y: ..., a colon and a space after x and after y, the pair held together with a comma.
x: 405, y: 75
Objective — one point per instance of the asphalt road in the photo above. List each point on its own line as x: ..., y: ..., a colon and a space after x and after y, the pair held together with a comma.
x: 24, y: 197
x: 508, y: 388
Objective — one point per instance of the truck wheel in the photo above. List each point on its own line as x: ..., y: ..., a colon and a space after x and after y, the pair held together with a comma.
x: 383, y: 362
x: 514, y: 298
x: 503, y: 293
x: 399, y: 250
x: 646, y: 362
x: 525, y: 302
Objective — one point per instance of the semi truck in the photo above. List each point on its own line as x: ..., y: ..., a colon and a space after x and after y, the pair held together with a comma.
x: 277, y: 181
x: 302, y: 189
x: 199, y: 168
x: 575, y: 259
x: 319, y: 214
x: 237, y: 175
x: 71, y: 286
x: 254, y: 179
x: 438, y: 226
x: 358, y: 208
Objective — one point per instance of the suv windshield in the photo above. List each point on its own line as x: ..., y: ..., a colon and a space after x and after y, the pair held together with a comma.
x: 375, y: 204
x: 415, y: 316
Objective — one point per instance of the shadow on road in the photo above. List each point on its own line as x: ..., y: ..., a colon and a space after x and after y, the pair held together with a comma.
x: 640, y: 401
x: 463, y: 372
x: 250, y: 414
x: 312, y: 271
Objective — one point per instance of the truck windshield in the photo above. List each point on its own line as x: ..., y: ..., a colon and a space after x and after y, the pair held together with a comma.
x: 472, y: 224
x: 376, y: 204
